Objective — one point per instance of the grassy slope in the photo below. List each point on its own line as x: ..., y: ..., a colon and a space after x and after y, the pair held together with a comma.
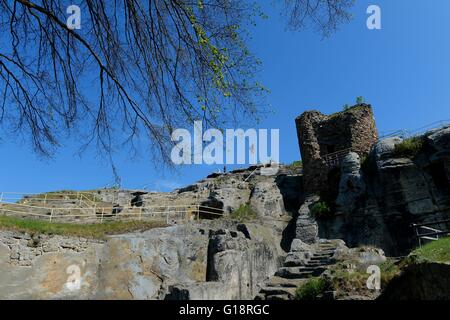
x: 436, y: 251
x: 94, y: 231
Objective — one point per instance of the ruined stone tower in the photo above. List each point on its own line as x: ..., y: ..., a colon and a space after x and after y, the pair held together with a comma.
x: 325, y: 140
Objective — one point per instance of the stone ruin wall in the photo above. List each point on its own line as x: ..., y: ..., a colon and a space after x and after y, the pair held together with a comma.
x: 319, y: 135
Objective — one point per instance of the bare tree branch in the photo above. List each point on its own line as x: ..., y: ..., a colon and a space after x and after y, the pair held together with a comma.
x: 135, y: 71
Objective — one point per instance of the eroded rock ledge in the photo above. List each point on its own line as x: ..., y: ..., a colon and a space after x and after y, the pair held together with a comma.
x: 207, y: 260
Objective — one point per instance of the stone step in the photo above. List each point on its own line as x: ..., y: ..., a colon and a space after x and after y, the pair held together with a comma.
x: 319, y: 264
x: 322, y: 259
x: 276, y: 281
x: 278, y: 297
x: 284, y: 273
x: 299, y: 272
x: 316, y: 264
x: 325, y: 251
x: 294, y: 264
x: 327, y: 245
x: 322, y: 256
x: 275, y: 291
x: 310, y: 263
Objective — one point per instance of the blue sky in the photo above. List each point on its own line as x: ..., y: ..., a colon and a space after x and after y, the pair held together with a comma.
x: 403, y: 70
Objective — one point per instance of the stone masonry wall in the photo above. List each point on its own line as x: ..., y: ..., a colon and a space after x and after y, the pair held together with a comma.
x: 319, y: 135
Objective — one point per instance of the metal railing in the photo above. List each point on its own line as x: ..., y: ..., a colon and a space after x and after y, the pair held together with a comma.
x: 47, y: 197
x: 426, y: 233
x: 334, y: 159
x: 404, y: 134
x: 170, y: 213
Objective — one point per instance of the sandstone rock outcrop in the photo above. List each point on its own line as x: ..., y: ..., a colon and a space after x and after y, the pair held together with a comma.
x: 209, y: 260
x: 422, y: 281
x: 397, y: 193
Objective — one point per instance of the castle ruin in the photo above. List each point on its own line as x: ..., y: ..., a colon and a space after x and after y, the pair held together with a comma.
x: 325, y: 140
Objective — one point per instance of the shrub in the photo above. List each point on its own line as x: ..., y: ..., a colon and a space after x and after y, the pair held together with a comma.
x: 321, y: 210
x: 409, y: 148
x: 313, y: 289
x: 243, y: 213
x: 297, y: 164
x: 359, y: 100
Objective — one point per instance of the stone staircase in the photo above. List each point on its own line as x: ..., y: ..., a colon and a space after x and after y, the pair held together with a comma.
x: 294, y: 273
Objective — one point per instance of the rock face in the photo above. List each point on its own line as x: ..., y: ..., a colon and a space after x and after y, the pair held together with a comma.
x: 209, y: 260
x: 48, y: 267
x: 377, y: 203
x: 240, y: 264
x: 307, y: 229
x: 423, y: 281
x: 351, y: 185
x: 212, y: 259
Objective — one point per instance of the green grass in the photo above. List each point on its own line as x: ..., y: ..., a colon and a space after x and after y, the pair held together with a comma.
x: 345, y: 281
x: 243, y: 213
x: 93, y: 231
x: 312, y: 289
x: 436, y: 251
x: 409, y: 148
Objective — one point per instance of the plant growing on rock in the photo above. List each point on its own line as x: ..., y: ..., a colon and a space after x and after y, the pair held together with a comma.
x: 359, y: 100
x: 313, y: 289
x: 409, y: 148
x: 297, y: 164
x: 321, y: 210
x: 243, y: 213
